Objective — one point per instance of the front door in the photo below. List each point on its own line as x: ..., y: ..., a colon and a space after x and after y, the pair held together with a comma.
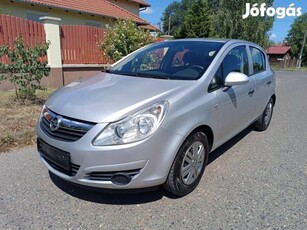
x: 235, y: 103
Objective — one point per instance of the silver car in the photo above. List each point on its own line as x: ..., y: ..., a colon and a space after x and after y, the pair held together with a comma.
x: 154, y: 116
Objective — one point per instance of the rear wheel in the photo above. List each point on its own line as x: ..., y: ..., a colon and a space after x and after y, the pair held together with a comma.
x: 264, y: 120
x: 189, y: 165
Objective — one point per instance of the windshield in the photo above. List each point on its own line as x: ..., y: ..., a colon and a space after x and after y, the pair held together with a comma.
x: 180, y: 60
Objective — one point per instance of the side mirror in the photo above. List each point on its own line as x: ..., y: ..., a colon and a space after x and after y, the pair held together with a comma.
x: 235, y: 78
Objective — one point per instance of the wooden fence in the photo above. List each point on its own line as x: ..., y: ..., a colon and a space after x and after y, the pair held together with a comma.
x: 11, y: 27
x: 80, y: 44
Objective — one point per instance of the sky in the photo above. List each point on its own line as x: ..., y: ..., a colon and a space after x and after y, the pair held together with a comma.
x: 279, y: 31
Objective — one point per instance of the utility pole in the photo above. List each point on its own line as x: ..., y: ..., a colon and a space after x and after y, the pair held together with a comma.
x: 160, y: 26
x: 299, y: 63
x: 169, y: 24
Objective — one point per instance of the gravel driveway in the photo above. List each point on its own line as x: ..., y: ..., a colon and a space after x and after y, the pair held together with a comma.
x: 255, y: 181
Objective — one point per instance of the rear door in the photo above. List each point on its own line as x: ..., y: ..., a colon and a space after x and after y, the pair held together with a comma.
x: 262, y: 78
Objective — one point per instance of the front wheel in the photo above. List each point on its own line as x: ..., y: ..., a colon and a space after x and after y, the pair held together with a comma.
x: 189, y: 165
x: 264, y: 120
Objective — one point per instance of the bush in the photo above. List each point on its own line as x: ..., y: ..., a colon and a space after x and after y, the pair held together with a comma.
x: 25, y: 67
x: 123, y: 38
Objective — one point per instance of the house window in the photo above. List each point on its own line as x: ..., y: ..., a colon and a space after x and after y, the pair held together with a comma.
x: 35, y: 15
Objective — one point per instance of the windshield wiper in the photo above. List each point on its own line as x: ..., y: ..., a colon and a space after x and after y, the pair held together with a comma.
x: 121, y: 73
x: 141, y: 74
x: 150, y: 75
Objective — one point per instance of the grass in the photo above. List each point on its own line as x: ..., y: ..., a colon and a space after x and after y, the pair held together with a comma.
x: 18, y: 120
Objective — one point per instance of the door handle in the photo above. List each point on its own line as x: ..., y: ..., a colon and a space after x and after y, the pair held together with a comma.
x: 251, y: 91
x: 269, y: 83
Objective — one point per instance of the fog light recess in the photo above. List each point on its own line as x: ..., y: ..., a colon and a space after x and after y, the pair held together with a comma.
x: 121, y: 179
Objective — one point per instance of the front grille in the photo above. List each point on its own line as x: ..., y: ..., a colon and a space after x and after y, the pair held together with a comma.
x: 57, y: 158
x: 72, y: 172
x: 65, y: 129
x: 74, y: 169
x: 106, y: 176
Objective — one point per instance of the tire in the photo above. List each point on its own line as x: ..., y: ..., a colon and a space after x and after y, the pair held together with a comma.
x: 264, y: 120
x: 189, y: 165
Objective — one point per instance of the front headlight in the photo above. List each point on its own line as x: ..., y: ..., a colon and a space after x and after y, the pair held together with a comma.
x: 133, y: 128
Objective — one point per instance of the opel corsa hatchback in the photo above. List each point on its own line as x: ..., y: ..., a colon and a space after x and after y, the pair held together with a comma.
x: 154, y: 116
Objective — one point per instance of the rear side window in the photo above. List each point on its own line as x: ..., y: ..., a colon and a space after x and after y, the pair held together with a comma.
x: 258, y: 59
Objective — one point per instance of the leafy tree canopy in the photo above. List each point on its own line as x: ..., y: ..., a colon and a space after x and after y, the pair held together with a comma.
x: 217, y: 18
x: 123, y: 38
x: 197, y: 20
x: 173, y: 15
x: 228, y: 22
x: 296, y: 36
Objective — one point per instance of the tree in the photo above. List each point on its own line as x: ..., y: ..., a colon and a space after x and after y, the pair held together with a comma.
x: 173, y: 16
x: 123, y: 38
x: 228, y: 21
x: 191, y: 18
x: 296, y: 36
x: 25, y: 67
x: 197, y: 21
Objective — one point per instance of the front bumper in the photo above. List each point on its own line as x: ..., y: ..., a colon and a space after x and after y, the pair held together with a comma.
x: 147, y: 162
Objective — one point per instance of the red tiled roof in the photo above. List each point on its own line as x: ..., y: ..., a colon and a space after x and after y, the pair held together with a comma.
x: 278, y: 49
x: 97, y: 7
x: 141, y: 2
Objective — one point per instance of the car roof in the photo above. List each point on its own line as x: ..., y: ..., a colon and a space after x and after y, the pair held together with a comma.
x: 219, y: 40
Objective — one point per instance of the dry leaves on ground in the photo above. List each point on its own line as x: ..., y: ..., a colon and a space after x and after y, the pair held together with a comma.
x: 18, y: 121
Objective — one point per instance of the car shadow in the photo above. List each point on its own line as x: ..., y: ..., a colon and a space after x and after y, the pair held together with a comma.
x: 132, y: 197
x: 106, y: 196
x: 228, y: 145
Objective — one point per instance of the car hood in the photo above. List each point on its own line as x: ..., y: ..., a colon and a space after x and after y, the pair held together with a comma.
x: 109, y: 97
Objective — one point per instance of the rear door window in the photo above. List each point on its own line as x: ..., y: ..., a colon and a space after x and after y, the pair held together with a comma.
x: 258, y: 59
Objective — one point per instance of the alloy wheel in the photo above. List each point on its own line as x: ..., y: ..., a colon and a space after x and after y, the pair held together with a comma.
x: 192, y: 162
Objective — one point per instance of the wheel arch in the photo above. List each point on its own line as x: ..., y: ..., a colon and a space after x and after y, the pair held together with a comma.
x: 174, y: 182
x: 274, y: 99
x: 206, y: 130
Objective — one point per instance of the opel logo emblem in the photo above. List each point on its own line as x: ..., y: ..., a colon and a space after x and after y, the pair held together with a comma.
x: 55, y: 123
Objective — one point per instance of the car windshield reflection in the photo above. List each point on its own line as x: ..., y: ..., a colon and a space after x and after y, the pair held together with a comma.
x: 169, y: 60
